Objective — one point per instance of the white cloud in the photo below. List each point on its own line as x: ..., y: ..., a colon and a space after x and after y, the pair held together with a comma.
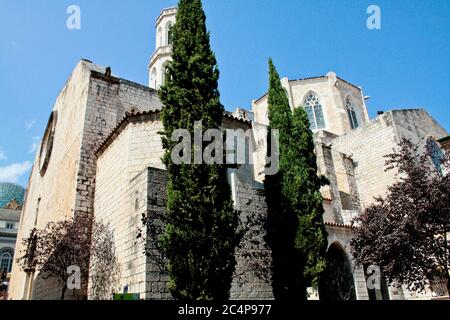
x: 29, y: 124
x: 14, y: 171
x: 35, y: 144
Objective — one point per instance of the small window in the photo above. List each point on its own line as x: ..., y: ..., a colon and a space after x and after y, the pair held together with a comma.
x: 136, y: 201
x: 6, y: 259
x: 169, y: 33
x: 9, y: 225
x: 36, y: 217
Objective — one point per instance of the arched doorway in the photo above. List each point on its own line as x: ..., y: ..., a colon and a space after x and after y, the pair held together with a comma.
x: 336, y: 282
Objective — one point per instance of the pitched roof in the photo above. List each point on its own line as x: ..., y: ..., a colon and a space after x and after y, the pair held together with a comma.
x: 121, y: 125
x: 130, y: 116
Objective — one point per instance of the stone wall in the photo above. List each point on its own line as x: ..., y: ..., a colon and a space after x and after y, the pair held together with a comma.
x: 124, y: 190
x: 147, y: 192
x: 100, y: 159
x: 364, y: 148
x: 416, y: 124
x: 156, y: 279
x: 342, y: 236
x: 121, y: 191
x: 52, y: 197
x: 367, y: 147
x: 87, y: 109
x: 332, y: 92
x: 108, y: 101
x: 330, y: 192
x: 246, y: 283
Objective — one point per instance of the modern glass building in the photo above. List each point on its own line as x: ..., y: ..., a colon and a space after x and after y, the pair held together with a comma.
x: 9, y: 192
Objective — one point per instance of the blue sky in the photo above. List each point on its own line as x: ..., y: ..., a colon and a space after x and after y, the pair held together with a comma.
x: 405, y: 64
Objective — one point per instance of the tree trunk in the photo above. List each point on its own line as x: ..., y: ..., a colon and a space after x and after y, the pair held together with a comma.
x: 63, y: 293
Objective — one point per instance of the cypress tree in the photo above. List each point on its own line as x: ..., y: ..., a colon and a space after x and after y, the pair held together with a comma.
x: 306, y: 199
x: 282, y: 223
x: 201, y: 232
x: 295, y: 229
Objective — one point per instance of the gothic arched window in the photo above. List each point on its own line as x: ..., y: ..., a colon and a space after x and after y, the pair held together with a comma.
x: 168, y: 33
x: 336, y: 282
x: 314, y: 110
x: 437, y: 156
x: 164, y: 73
x: 160, y: 38
x: 6, y: 259
x: 352, y: 113
x: 154, y: 78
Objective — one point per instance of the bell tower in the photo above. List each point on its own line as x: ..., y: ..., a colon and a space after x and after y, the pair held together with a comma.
x: 163, y: 48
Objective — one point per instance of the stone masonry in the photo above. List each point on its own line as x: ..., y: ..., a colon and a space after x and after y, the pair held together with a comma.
x: 101, y: 155
x: 88, y: 108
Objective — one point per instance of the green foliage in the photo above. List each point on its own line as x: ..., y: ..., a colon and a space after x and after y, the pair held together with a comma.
x: 305, y: 197
x: 295, y: 228
x: 201, y: 232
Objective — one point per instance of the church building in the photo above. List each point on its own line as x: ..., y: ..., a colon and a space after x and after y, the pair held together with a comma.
x: 101, y: 155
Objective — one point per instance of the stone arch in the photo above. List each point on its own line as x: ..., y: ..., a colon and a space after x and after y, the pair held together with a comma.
x: 313, y: 106
x: 336, y: 282
x: 339, y: 243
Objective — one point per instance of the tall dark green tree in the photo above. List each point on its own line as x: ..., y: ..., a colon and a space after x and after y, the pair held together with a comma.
x: 295, y: 229
x: 305, y: 198
x: 282, y: 223
x: 201, y: 233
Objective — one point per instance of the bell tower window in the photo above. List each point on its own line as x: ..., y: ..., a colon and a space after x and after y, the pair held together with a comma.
x: 169, y: 33
x: 153, y: 78
x: 159, y: 38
